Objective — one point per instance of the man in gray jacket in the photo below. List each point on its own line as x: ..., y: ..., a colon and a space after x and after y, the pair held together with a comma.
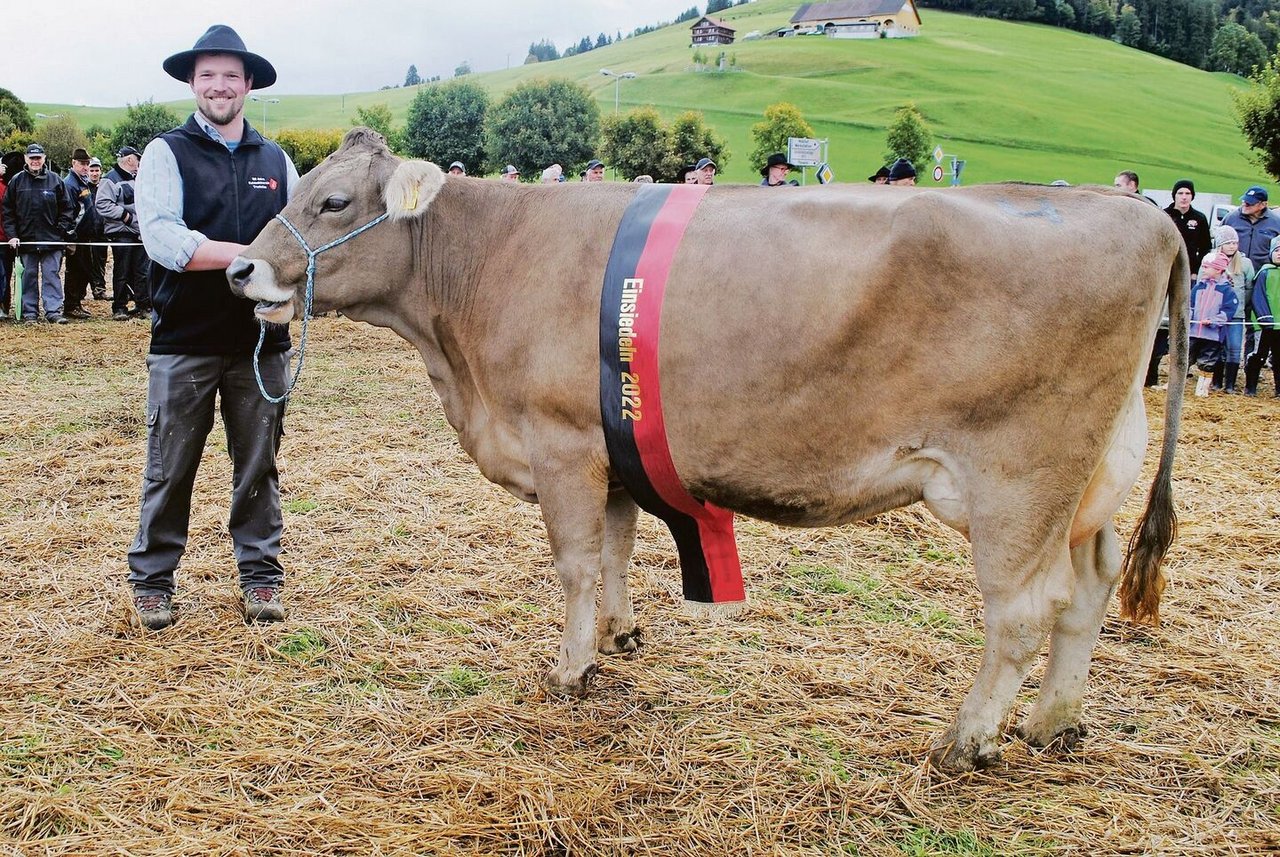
x: 120, y: 227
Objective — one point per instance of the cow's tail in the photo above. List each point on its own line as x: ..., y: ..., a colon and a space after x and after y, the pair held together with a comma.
x: 1142, y: 581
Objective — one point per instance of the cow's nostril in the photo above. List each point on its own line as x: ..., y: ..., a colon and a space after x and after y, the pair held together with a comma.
x: 239, y: 271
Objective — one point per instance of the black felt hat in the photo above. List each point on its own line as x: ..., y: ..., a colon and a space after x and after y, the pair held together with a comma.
x: 901, y: 169
x: 221, y: 39
x: 882, y: 173
x: 777, y: 159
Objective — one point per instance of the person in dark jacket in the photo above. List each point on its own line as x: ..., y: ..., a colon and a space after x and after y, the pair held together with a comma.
x: 99, y: 254
x: 6, y: 252
x: 1256, y: 226
x: 1191, y: 222
x: 115, y: 202
x: 204, y: 191
x: 775, y: 172
x: 39, y: 218
x: 79, y: 272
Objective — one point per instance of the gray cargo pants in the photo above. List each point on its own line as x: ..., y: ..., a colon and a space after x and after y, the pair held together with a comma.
x: 181, y: 389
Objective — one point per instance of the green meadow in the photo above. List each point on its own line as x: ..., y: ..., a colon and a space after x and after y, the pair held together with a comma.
x: 1015, y: 101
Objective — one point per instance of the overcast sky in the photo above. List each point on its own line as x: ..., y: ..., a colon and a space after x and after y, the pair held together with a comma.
x: 107, y: 54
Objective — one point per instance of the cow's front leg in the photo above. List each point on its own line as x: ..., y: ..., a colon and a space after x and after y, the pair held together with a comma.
x: 616, y: 630
x: 573, y: 507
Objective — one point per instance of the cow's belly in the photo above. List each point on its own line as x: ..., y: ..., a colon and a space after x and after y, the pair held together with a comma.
x: 1116, y: 474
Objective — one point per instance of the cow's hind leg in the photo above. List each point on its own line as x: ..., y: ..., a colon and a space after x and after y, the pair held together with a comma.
x: 1056, y: 715
x: 616, y: 630
x: 1025, y: 582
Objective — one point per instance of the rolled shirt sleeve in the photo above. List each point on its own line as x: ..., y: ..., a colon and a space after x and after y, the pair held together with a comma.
x: 158, y: 200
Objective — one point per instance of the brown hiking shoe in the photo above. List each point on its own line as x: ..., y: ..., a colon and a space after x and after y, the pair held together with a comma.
x: 262, y: 604
x: 155, y: 611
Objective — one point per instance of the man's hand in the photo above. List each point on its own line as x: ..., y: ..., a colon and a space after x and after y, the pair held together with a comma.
x: 13, y: 242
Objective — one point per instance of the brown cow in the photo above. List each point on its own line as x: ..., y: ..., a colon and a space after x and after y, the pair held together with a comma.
x: 827, y: 354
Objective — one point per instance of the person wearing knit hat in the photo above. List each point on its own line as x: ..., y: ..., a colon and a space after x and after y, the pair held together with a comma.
x: 1191, y: 223
x: 1240, y: 272
x: 1213, y: 304
x: 902, y: 173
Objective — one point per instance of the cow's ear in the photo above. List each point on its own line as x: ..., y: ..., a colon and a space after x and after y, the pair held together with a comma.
x: 412, y: 187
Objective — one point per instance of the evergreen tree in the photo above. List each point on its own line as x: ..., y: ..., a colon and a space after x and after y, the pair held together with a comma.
x: 411, y: 76
x: 908, y: 137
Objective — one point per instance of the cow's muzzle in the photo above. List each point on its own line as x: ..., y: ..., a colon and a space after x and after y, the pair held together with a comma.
x: 255, y: 279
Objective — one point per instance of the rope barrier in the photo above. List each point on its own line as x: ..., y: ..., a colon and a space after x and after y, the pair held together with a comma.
x: 81, y: 243
x: 306, y: 304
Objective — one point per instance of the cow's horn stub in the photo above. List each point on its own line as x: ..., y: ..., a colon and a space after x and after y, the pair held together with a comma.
x: 411, y: 188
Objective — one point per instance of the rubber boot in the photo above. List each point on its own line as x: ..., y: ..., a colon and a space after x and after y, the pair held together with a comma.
x: 1202, y: 384
x: 1217, y: 377
x: 1252, y: 369
x: 1231, y: 372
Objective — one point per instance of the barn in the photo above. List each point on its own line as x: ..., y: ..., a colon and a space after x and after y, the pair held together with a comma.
x: 859, y: 19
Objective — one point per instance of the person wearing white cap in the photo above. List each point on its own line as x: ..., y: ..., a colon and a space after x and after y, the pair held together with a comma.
x: 457, y: 168
x: 204, y: 191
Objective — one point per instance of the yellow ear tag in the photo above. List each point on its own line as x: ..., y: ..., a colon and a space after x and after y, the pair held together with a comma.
x: 411, y: 202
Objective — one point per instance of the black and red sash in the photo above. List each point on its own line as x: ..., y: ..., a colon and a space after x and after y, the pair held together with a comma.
x: 630, y: 401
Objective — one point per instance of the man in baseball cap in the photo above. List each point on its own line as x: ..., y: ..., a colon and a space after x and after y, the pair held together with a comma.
x: 510, y: 173
x: 204, y: 190
x: 706, y: 170
x: 1255, y: 225
x: 39, y: 218
x: 457, y: 168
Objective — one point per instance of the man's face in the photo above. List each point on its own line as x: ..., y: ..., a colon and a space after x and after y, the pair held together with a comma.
x: 1252, y: 208
x: 1124, y: 184
x: 80, y: 168
x: 35, y: 163
x: 95, y: 173
x: 511, y: 177
x: 909, y: 181
x: 220, y: 86
x: 130, y: 163
x: 707, y: 175
x: 1182, y: 199
x: 455, y: 171
x: 595, y: 174
x: 691, y: 177
x: 778, y: 173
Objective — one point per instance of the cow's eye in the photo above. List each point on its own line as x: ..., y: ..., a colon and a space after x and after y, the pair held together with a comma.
x: 335, y: 203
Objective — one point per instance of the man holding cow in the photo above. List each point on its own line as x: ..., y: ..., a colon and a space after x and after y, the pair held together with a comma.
x: 205, y: 188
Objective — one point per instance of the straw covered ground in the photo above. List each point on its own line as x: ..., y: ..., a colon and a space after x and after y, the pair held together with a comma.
x: 398, y: 711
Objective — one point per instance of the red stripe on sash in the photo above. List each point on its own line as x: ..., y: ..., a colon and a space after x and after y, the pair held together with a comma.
x: 715, y: 525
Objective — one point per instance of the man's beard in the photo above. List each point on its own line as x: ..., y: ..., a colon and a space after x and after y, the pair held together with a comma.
x: 221, y: 114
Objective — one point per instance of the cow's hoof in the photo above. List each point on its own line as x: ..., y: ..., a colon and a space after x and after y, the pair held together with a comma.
x: 627, y: 642
x: 961, y: 757
x: 558, y: 683
x: 1064, y: 738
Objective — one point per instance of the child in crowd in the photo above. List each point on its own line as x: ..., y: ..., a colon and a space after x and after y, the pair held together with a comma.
x: 1240, y: 272
x: 1266, y: 301
x: 1213, y: 304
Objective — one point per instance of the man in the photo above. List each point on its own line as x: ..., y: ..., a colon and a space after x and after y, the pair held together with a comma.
x: 1127, y: 181
x: 116, y: 206
x: 880, y: 176
x: 1255, y: 225
x: 902, y: 172
x: 6, y: 252
x: 706, y: 171
x: 457, y: 169
x: 98, y: 255
x: 510, y: 173
x: 80, y: 259
x: 1192, y: 223
x: 775, y: 171
x: 205, y: 189
x: 594, y: 171
x: 39, y: 218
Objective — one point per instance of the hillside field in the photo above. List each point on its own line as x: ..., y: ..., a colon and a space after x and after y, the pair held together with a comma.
x: 1015, y: 101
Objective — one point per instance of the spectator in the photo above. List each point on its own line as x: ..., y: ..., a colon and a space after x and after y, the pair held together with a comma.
x: 594, y: 171
x: 1191, y: 222
x: 194, y: 213
x: 457, y: 169
x: 902, y: 173
x: 686, y: 175
x: 510, y: 174
x: 775, y: 171
x: 1127, y: 181
x: 99, y: 254
x: 1256, y: 225
x: 706, y: 171
x: 1213, y: 304
x: 1240, y: 272
x: 6, y: 252
x: 553, y: 174
x: 79, y: 272
x: 880, y: 176
x: 39, y: 217
x: 643, y: 179
x: 1266, y: 300
x: 115, y: 203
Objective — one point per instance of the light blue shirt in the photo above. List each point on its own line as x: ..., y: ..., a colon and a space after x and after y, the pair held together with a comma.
x: 158, y: 200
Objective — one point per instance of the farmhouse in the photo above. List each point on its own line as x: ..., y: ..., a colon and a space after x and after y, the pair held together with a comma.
x: 859, y: 19
x: 709, y: 31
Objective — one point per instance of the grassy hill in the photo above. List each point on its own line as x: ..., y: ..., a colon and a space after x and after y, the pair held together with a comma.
x: 1016, y: 101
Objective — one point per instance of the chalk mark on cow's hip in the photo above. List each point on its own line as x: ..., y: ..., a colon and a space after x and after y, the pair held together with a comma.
x: 1046, y: 210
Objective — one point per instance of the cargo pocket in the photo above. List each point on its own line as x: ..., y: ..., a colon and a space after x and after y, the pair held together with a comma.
x: 155, y: 448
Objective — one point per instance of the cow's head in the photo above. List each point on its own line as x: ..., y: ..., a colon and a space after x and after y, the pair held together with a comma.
x: 352, y: 187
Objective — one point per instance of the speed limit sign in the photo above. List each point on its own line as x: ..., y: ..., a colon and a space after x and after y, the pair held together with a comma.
x: 937, y: 173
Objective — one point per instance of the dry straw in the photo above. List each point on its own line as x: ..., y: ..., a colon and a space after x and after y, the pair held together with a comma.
x: 398, y: 711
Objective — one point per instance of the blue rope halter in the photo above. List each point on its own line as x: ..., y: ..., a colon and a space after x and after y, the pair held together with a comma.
x: 306, y: 308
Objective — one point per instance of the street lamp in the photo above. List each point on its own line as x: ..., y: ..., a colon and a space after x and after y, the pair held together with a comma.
x: 265, y: 102
x: 617, y: 82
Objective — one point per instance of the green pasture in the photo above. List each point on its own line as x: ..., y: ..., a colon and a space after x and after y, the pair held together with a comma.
x: 1016, y: 101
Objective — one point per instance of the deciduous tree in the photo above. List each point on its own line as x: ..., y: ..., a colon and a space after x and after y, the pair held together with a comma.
x: 14, y: 115
x: 446, y: 123
x: 781, y: 121
x: 1236, y: 50
x: 543, y: 122
x: 61, y: 135
x: 308, y: 147
x: 142, y: 123
x: 639, y: 143
x: 1258, y: 114
x: 692, y: 138
x: 908, y: 137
